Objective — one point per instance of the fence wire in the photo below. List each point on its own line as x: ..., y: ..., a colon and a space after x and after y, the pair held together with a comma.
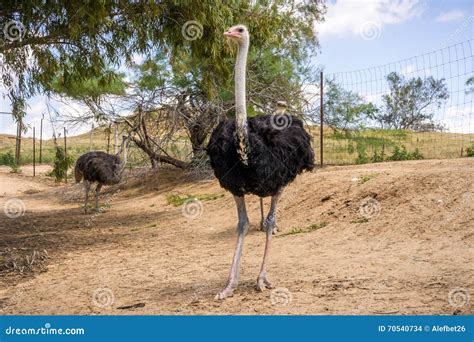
x: 447, y: 136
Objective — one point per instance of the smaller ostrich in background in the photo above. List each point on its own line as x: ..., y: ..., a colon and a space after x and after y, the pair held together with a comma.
x: 101, y: 168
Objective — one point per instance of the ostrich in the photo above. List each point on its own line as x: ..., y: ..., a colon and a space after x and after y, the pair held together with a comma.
x: 257, y: 156
x: 280, y: 110
x: 101, y: 168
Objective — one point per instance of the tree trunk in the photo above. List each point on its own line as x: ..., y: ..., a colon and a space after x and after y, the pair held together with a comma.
x: 159, y: 157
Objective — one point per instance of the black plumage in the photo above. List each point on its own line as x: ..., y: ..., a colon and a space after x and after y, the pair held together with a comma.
x: 276, y: 155
x: 100, y: 167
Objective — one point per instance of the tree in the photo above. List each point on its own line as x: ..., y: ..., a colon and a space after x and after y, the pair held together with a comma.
x: 410, y: 103
x: 83, y: 39
x: 470, y: 83
x: 344, y: 109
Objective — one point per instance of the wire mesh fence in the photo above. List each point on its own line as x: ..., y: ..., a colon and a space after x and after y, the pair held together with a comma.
x: 440, y: 94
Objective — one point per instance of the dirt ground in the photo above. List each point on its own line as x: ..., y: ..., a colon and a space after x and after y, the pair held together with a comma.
x: 388, y: 238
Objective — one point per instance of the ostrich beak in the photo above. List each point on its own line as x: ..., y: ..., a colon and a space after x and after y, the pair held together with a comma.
x: 232, y: 34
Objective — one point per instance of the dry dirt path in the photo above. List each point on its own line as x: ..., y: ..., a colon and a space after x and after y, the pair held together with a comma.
x: 393, y: 238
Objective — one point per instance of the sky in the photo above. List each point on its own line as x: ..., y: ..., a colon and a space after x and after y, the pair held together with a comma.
x: 359, y: 34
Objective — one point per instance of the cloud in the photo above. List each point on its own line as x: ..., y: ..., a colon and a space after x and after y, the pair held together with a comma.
x: 357, y: 17
x: 450, y: 16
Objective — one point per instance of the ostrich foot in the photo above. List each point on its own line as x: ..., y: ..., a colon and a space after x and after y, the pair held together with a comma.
x: 263, y: 283
x: 227, y: 292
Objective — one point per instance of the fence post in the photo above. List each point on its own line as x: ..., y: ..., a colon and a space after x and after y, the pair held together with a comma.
x: 18, y: 141
x: 34, y: 152
x: 90, y: 138
x: 65, y: 151
x: 41, y: 140
x: 116, y: 139
x: 108, y: 138
x: 321, y: 114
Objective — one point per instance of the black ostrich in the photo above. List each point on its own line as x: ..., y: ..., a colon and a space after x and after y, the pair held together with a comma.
x: 101, y: 168
x: 257, y: 156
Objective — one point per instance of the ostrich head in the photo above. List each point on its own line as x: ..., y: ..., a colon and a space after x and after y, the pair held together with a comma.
x: 238, y: 33
x: 281, y: 107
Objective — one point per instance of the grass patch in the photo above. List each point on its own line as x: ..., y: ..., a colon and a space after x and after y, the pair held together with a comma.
x: 361, y: 220
x: 367, y: 177
x: 307, y: 229
x: 179, y: 199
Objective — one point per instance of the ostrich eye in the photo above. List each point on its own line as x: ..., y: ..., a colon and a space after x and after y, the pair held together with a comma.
x: 240, y: 30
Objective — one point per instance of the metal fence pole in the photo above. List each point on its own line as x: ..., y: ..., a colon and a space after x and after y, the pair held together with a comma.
x: 34, y: 152
x: 18, y: 141
x: 90, y: 138
x: 65, y: 151
x: 108, y: 138
x: 321, y: 133
x: 41, y: 140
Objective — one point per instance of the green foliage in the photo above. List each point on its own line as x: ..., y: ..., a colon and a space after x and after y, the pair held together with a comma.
x: 377, y: 156
x: 470, y: 151
x: 345, y: 109
x: 8, y: 159
x: 361, y: 155
x: 62, y: 163
x: 410, y: 102
x: 178, y: 200
x: 401, y: 153
x: 308, y: 229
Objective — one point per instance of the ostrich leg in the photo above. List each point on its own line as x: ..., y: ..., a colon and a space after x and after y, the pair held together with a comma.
x: 270, y: 225
x: 97, y: 190
x: 87, y: 187
x: 262, y: 219
x: 242, y: 229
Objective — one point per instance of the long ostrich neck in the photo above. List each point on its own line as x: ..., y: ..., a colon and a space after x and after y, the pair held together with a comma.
x: 240, y: 100
x: 123, y: 151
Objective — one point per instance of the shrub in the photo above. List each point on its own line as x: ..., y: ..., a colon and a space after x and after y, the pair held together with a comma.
x: 377, y: 157
x: 470, y: 151
x: 402, y: 154
x: 361, y: 155
x: 62, y: 163
x: 8, y: 159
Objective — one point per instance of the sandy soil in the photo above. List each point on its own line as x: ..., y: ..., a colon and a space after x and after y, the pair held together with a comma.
x: 409, y: 251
